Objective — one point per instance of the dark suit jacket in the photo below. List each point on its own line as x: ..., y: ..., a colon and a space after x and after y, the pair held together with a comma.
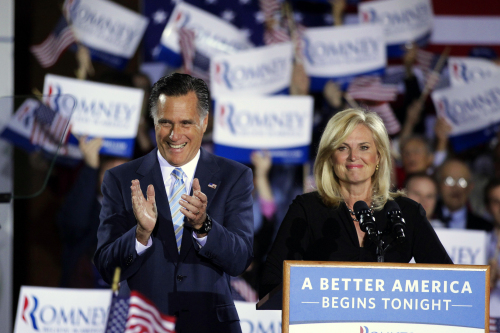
x: 313, y: 231
x: 194, y: 285
x: 474, y: 222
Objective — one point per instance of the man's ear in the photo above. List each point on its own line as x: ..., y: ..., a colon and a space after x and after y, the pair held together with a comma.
x: 205, y: 123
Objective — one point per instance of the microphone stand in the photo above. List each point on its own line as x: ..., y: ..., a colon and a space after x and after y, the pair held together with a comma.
x: 381, y: 249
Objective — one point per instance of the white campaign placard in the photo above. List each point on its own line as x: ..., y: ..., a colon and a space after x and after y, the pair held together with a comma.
x: 107, y: 26
x: 470, y: 107
x: 213, y: 35
x: 280, y: 124
x: 102, y: 110
x: 341, y: 53
x: 403, y: 20
x: 465, y: 247
x: 465, y: 70
x: 253, y: 321
x: 42, y: 309
x: 345, y: 50
x: 264, y: 70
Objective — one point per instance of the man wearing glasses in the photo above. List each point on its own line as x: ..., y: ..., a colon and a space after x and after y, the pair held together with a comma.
x: 455, y: 186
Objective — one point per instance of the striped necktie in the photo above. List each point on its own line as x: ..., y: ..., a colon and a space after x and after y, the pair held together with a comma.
x: 177, y: 217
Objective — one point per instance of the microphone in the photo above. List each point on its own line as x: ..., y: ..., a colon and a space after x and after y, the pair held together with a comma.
x: 396, y: 221
x: 366, y: 220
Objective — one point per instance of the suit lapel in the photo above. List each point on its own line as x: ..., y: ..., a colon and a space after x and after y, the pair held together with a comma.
x: 164, y: 229
x: 206, y: 172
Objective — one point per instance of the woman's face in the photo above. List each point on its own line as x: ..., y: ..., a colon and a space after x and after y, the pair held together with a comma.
x: 354, y: 161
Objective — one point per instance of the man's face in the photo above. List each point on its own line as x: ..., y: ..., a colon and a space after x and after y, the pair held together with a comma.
x: 415, y: 157
x: 494, y: 204
x: 455, y: 185
x: 424, y: 191
x: 179, y: 130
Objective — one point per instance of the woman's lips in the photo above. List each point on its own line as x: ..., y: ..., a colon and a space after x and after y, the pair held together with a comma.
x: 354, y: 166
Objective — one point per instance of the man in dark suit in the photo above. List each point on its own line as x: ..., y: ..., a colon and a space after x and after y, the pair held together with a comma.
x: 179, y: 250
x: 455, y: 186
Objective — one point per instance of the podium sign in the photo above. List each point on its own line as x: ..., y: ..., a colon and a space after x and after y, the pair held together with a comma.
x: 384, y: 297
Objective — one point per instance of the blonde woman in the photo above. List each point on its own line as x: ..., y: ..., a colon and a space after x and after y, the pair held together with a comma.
x: 353, y: 163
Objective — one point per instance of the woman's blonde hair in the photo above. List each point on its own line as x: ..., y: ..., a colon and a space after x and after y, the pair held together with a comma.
x: 337, y: 130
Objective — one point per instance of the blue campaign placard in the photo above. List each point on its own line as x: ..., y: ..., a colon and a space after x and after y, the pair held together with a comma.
x: 454, y: 297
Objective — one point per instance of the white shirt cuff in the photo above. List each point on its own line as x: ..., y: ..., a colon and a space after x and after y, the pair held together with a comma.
x: 201, y: 241
x: 139, y: 248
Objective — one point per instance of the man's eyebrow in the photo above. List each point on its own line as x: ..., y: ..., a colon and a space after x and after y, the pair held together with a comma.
x: 163, y: 121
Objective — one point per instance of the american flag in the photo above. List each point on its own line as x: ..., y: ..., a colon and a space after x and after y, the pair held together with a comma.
x: 48, y: 125
x: 144, y: 317
x: 48, y: 52
x: 118, y: 311
x: 371, y: 88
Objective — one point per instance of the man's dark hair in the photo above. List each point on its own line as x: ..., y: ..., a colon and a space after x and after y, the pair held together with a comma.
x: 176, y: 85
x: 420, y: 175
x: 420, y: 138
x: 493, y: 183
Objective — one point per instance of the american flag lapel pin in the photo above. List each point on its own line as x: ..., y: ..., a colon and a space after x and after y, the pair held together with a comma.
x: 213, y: 186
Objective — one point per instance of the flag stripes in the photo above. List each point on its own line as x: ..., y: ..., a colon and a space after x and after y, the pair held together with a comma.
x: 48, y: 52
x: 371, y: 88
x: 143, y: 316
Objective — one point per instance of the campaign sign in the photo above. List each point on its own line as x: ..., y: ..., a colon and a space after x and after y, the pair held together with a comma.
x: 473, y: 111
x: 385, y: 297
x: 341, y: 53
x: 253, y: 321
x: 464, y: 70
x: 110, y: 31
x: 264, y: 70
x: 281, y: 125
x: 212, y: 35
x: 467, y: 247
x: 404, y: 21
x: 102, y: 110
x: 42, y: 309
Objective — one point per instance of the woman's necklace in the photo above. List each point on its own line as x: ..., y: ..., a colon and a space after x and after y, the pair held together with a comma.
x: 354, y: 215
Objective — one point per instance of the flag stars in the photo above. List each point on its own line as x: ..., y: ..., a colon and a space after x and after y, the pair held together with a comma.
x: 259, y: 17
x: 228, y: 15
x: 298, y: 17
x: 211, y: 2
x: 244, y: 2
x: 160, y: 16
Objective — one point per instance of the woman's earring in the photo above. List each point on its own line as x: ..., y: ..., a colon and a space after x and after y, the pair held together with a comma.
x: 376, y: 168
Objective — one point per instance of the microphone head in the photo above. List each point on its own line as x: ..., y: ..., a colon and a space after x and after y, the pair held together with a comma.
x: 391, y: 206
x: 360, y: 205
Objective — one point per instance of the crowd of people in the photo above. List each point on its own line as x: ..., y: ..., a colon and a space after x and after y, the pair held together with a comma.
x: 456, y: 190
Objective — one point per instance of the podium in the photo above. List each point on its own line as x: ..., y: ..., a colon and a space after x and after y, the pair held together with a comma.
x: 381, y: 297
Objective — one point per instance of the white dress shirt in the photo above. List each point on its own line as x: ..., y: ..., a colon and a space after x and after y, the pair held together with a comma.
x: 458, y: 218
x: 189, y: 170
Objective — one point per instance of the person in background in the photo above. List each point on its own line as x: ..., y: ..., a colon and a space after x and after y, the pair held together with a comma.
x: 245, y: 286
x: 78, y: 218
x: 423, y: 189
x: 492, y: 203
x: 353, y: 164
x: 455, y: 185
x: 417, y: 155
